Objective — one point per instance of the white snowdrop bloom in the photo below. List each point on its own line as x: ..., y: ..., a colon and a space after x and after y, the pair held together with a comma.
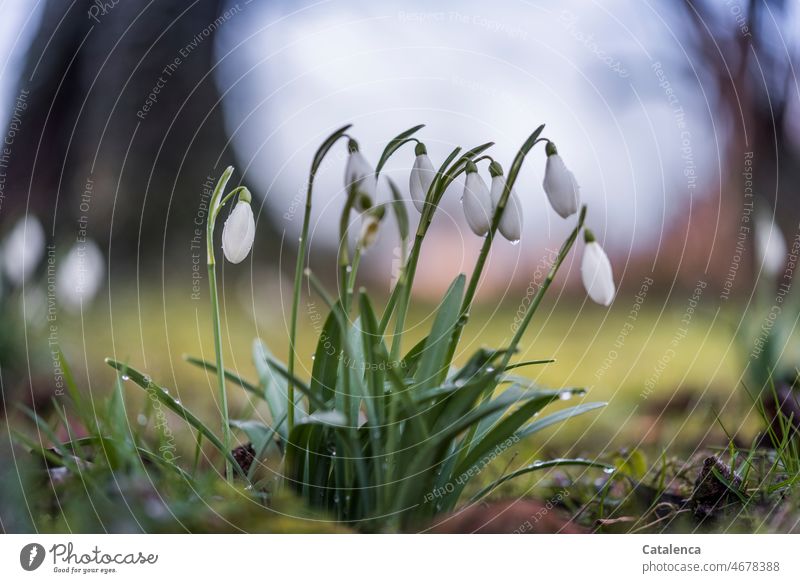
x: 359, y: 179
x: 477, y: 202
x: 596, y: 273
x: 422, y: 175
x: 79, y: 276
x: 369, y: 230
x: 770, y: 246
x: 23, y: 249
x: 238, y: 232
x: 560, y: 185
x: 511, y: 221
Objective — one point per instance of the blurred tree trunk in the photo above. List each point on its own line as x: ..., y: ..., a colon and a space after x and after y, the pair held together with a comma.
x: 123, y: 124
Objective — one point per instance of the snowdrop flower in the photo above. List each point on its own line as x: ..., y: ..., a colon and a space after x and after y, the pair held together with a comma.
x: 359, y: 178
x: 370, y: 223
x: 560, y: 185
x: 477, y: 202
x: 23, y: 249
x: 596, y: 271
x: 422, y: 175
x: 239, y: 230
x: 770, y: 246
x: 511, y: 221
x: 79, y: 275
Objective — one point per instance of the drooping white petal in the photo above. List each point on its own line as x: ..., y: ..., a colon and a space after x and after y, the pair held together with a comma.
x: 79, y: 276
x: 596, y: 274
x: 770, y: 246
x: 238, y: 233
x: 477, y: 204
x: 23, y: 249
x: 561, y: 187
x: 511, y: 221
x: 369, y: 230
x: 422, y: 174
x: 359, y: 179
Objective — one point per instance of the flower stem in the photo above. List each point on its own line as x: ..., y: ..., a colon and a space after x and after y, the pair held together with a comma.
x: 223, y: 396
x: 298, y: 272
x: 215, y: 206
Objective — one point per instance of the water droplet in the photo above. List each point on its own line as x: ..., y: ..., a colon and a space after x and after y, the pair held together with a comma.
x: 141, y: 419
x: 490, y: 369
x: 565, y: 395
x: 348, y: 269
x: 126, y: 377
x: 313, y: 356
x: 177, y: 401
x: 608, y: 470
x: 514, y: 242
x: 146, y: 380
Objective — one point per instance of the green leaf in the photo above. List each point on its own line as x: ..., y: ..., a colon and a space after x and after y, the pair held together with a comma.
x: 399, y: 208
x: 173, y: 405
x: 274, y: 390
x: 535, y: 467
x: 327, y: 358
x: 558, y: 417
x: 411, y: 359
x: 505, y: 428
x: 230, y: 375
x: 325, y: 146
x: 530, y: 363
x: 394, y: 144
x: 433, y: 365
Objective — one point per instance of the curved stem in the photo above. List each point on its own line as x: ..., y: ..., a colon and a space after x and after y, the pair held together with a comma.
x: 215, y: 206
x: 298, y: 271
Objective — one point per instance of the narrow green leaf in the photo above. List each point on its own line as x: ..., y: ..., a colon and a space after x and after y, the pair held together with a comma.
x: 393, y: 146
x: 146, y: 383
x: 327, y: 358
x: 433, y: 365
x: 229, y: 374
x: 327, y: 145
x: 536, y: 466
x: 558, y: 417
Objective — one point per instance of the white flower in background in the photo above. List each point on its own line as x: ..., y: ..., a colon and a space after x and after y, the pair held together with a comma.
x: 560, y: 185
x: 476, y: 202
x: 79, y: 275
x: 511, y: 221
x: 370, y: 223
x: 359, y: 179
x: 770, y: 245
x: 239, y: 230
x: 23, y: 249
x: 422, y: 175
x: 596, y: 271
